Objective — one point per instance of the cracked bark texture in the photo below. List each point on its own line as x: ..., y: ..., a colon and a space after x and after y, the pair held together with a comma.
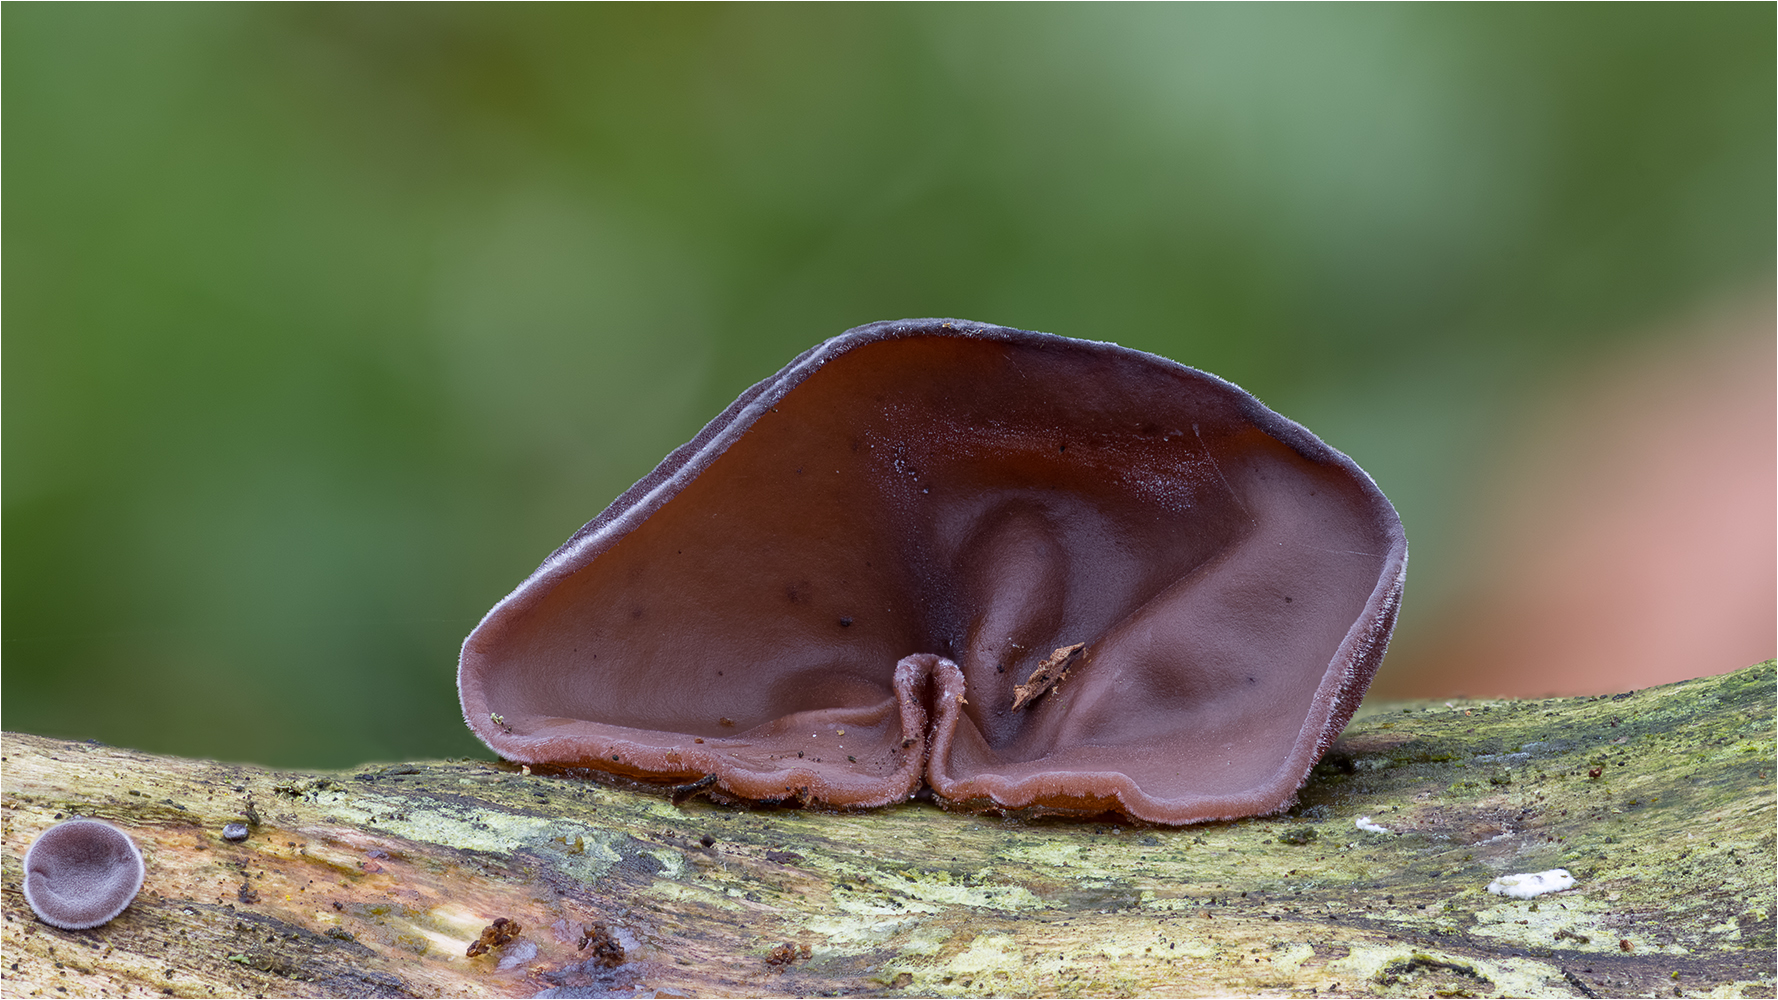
x: 375, y: 881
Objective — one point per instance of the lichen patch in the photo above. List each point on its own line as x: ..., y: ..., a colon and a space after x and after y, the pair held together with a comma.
x: 1530, y: 885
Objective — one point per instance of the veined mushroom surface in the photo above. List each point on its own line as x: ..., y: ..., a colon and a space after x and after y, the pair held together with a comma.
x: 1038, y: 574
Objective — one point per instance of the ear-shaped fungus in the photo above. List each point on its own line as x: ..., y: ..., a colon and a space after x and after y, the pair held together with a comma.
x: 1042, y: 574
x: 81, y: 873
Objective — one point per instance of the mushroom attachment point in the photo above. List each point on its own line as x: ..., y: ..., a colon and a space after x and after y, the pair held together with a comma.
x: 81, y: 873
x: 1071, y: 577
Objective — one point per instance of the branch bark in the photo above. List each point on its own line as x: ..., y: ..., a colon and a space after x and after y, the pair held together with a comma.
x: 375, y: 881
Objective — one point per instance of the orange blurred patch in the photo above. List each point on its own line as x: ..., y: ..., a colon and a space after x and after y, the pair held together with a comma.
x: 1630, y: 535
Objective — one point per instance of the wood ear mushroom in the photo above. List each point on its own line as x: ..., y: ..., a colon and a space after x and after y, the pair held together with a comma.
x: 82, y: 873
x: 1036, y: 573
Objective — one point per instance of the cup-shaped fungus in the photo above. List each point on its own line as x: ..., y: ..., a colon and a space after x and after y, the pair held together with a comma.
x: 81, y: 873
x: 1041, y: 574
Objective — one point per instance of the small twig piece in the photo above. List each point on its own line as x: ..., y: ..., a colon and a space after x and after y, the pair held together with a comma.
x: 1048, y: 674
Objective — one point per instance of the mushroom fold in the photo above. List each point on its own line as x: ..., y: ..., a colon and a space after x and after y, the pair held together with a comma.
x: 1039, y: 574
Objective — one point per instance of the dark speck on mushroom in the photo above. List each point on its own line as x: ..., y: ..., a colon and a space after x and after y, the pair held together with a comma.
x: 1157, y: 539
x: 82, y: 873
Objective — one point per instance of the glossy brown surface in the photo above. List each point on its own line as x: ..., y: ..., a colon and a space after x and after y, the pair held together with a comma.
x: 833, y: 591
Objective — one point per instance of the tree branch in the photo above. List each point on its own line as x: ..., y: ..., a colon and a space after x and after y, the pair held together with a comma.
x: 376, y: 881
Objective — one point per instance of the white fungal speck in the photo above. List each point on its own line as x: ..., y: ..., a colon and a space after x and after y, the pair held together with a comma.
x: 1526, y: 886
x: 1365, y: 824
x: 516, y: 954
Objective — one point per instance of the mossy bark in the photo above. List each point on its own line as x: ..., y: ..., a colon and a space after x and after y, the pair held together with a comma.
x: 375, y: 881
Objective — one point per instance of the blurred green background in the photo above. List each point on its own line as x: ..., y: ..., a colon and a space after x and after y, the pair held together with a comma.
x: 324, y: 324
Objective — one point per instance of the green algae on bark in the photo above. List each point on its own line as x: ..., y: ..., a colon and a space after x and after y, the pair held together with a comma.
x: 374, y: 881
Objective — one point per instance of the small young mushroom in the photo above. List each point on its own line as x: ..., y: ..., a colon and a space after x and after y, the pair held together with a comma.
x: 1036, y: 573
x: 81, y: 873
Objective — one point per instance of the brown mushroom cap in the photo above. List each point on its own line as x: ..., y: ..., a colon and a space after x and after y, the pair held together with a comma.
x: 833, y: 590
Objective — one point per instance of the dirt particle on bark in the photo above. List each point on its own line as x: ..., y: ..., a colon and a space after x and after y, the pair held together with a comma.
x: 601, y: 947
x: 782, y: 955
x: 496, y: 934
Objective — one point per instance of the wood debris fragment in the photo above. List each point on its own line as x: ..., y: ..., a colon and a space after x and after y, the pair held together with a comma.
x: 1048, y: 674
x: 496, y: 934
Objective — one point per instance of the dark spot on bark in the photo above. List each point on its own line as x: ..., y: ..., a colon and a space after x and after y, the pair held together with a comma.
x: 680, y: 794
